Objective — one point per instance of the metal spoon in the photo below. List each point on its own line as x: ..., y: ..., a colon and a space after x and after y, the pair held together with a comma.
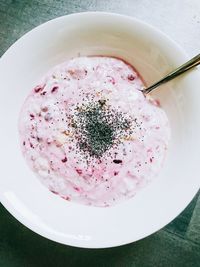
x: 180, y: 70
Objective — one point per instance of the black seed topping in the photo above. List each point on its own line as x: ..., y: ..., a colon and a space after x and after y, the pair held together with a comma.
x: 117, y: 161
x: 97, y: 127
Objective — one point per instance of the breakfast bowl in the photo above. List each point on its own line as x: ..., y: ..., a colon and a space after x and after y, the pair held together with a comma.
x: 153, y: 54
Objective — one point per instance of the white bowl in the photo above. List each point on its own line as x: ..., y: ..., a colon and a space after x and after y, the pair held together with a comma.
x: 153, y: 54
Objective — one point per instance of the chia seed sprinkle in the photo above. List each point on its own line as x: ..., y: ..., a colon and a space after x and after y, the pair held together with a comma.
x: 98, y: 127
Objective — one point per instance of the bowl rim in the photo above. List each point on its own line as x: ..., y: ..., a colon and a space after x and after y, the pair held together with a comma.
x: 3, y: 200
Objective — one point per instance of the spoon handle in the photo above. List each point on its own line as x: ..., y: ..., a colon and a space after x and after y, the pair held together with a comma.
x: 175, y: 73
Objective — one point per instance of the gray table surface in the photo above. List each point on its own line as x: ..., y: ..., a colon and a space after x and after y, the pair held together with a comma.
x: 178, y: 244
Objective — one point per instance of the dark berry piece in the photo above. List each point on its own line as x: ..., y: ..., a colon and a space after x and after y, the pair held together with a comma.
x: 79, y: 171
x: 54, y: 89
x: 64, y: 160
x: 38, y: 89
x: 131, y: 77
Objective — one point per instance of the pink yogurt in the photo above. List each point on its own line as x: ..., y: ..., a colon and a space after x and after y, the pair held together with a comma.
x: 49, y: 142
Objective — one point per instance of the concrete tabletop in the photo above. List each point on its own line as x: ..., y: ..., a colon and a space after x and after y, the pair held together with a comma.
x: 178, y: 244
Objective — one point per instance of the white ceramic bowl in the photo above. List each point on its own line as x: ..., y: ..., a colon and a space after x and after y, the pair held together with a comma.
x: 153, y: 54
